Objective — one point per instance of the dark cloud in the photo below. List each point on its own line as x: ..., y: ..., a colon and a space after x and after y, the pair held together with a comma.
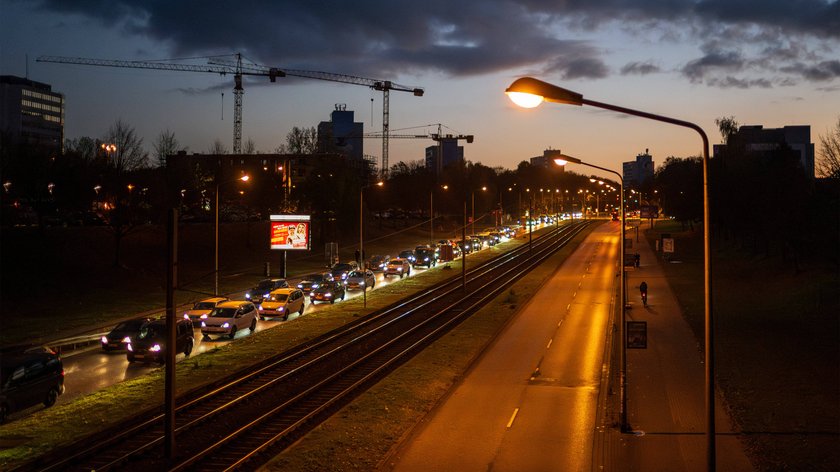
x: 379, y: 38
x: 713, y: 62
x: 734, y: 82
x: 640, y: 68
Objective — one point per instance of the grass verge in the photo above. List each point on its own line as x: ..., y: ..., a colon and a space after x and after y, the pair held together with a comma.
x: 777, y: 348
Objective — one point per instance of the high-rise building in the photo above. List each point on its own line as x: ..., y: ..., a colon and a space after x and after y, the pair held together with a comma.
x: 444, y: 153
x: 341, y: 134
x: 31, y: 113
x: 638, y: 172
x: 758, y: 140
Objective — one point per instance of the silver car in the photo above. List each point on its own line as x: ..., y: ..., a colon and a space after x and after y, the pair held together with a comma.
x: 360, y: 280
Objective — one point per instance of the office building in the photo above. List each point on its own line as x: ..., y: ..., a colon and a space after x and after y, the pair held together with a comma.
x: 755, y: 139
x: 31, y: 113
x: 342, y: 134
x: 638, y: 172
x: 443, y: 154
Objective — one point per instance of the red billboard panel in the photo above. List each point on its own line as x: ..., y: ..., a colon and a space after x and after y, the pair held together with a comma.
x: 290, y: 232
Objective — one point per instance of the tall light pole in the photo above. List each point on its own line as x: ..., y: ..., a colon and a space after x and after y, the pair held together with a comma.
x: 432, y: 214
x: 362, y: 238
x: 243, y: 178
x: 561, y: 160
x: 529, y: 92
x: 473, y: 209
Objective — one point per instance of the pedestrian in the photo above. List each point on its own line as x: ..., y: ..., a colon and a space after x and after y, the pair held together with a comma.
x: 357, y: 257
x: 636, y: 259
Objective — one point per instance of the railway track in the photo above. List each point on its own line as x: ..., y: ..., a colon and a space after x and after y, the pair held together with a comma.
x: 254, y: 416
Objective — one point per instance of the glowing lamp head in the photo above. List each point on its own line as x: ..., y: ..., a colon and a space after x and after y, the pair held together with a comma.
x: 525, y: 100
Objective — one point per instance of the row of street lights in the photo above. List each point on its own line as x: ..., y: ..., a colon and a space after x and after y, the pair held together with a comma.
x: 528, y: 92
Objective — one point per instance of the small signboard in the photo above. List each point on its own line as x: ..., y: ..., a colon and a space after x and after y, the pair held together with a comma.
x: 636, y: 333
x: 668, y: 245
x: 290, y: 232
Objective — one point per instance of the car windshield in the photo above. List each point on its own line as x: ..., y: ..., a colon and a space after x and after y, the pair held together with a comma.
x: 223, y: 313
x: 280, y: 297
x: 395, y: 262
x: 356, y: 273
x: 265, y: 285
x: 204, y: 306
x: 147, y: 331
x: 341, y: 267
x: 313, y: 278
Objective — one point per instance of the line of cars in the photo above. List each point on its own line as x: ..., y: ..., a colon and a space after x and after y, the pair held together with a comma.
x: 29, y: 375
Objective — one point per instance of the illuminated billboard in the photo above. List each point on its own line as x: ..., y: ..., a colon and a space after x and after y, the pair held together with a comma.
x: 290, y: 232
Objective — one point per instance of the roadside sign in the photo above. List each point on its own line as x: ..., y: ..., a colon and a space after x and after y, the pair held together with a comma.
x: 636, y: 334
x: 668, y: 245
x: 290, y: 232
x: 649, y: 211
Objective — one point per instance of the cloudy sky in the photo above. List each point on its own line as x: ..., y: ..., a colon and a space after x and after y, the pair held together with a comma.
x: 767, y: 62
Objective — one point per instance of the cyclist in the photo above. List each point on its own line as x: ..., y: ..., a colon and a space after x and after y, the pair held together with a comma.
x: 643, y: 290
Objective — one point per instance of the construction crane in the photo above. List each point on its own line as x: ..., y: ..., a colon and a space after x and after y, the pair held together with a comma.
x: 235, y: 68
x: 385, y: 86
x: 439, y: 137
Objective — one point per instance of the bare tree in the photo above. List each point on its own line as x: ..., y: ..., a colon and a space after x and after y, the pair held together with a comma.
x: 218, y: 147
x: 302, y: 141
x: 727, y: 126
x: 250, y: 147
x: 128, y: 154
x: 166, y: 145
x: 828, y: 163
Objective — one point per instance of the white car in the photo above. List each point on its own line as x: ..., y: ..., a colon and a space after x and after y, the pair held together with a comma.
x: 201, y: 309
x: 398, y: 266
x: 360, y: 280
x: 281, y: 302
x: 228, y: 318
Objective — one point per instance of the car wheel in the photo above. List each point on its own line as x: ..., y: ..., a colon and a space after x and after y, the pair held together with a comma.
x: 52, y: 396
x: 232, y: 332
x: 332, y: 301
x: 253, y: 325
x: 300, y: 312
x: 4, y: 412
x: 188, y: 348
x: 130, y: 359
x: 161, y: 360
x: 106, y: 348
x: 205, y: 337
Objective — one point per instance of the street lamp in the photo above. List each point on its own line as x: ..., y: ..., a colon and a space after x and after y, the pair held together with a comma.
x: 432, y: 213
x: 361, y: 238
x: 561, y: 160
x: 243, y: 178
x: 473, y: 209
x: 529, y: 93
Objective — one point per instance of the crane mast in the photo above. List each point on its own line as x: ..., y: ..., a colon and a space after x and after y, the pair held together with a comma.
x: 385, y: 86
x: 234, y: 69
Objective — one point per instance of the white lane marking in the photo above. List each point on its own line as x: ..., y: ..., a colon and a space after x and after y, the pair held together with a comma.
x: 549, y: 343
x: 512, y: 417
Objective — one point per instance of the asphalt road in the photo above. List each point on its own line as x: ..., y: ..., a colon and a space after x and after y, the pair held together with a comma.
x: 530, y: 402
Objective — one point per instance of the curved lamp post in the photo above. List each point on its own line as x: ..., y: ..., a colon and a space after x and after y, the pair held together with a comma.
x: 529, y: 92
x: 243, y: 178
x: 561, y: 160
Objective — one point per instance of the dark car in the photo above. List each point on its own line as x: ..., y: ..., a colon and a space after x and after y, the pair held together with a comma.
x: 425, y: 256
x: 150, y: 344
x: 340, y: 270
x: 407, y: 254
x: 327, y: 292
x: 122, y: 334
x: 312, y: 281
x: 377, y: 263
x: 266, y: 286
x: 29, y: 376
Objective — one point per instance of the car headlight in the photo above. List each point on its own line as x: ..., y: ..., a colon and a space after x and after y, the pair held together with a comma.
x: 362, y: 283
x: 425, y: 259
x: 248, y: 296
x: 203, y: 324
x: 314, y: 286
x: 204, y: 316
x: 260, y: 308
x: 328, y: 295
x: 186, y: 316
x: 226, y: 325
x: 155, y: 348
x: 126, y: 339
x: 130, y: 348
x: 300, y: 285
x: 280, y: 309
